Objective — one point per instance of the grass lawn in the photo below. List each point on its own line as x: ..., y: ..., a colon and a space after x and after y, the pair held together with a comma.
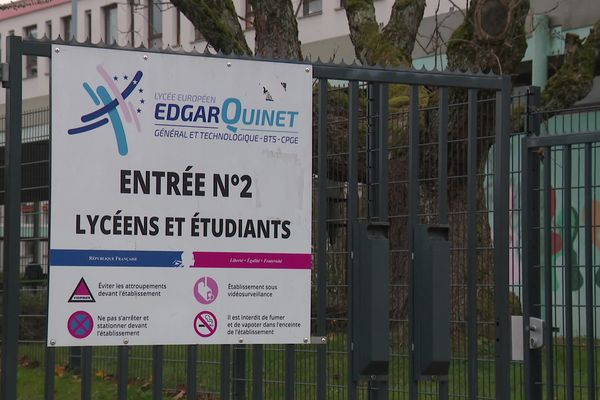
x: 67, y: 387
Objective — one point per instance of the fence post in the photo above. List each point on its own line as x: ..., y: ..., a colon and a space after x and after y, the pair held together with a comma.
x: 322, y: 241
x: 501, y: 183
x: 530, y: 181
x: 12, y: 218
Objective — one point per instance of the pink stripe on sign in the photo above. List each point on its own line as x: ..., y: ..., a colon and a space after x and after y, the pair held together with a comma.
x: 252, y: 260
x: 113, y: 88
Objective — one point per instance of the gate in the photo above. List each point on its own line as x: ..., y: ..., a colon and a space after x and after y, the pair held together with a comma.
x: 560, y: 177
x: 386, y: 162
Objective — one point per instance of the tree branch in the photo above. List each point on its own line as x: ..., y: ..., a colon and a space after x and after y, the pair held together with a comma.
x: 574, y: 79
x: 390, y: 46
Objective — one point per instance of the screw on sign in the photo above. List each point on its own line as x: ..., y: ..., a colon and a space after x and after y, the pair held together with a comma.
x: 205, y: 323
x: 80, y: 324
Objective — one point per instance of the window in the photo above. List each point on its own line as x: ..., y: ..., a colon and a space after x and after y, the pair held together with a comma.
x: 311, y: 6
x: 110, y: 24
x: 154, y: 23
x: 31, y: 67
x: 66, y: 27
x: 49, y: 29
x: 249, y: 17
x: 88, y: 25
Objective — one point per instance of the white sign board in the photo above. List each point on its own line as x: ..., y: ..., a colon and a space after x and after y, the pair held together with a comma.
x: 181, y: 199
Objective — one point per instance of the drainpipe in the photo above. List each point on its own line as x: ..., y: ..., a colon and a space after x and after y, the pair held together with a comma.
x: 540, y: 42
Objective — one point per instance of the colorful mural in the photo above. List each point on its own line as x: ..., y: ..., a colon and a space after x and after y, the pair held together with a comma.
x: 562, y: 242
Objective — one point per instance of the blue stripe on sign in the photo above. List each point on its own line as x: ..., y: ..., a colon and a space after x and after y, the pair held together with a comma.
x: 115, y: 258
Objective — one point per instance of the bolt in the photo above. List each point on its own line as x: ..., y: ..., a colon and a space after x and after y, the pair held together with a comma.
x: 125, y: 341
x: 532, y: 343
x: 52, y: 342
x: 145, y: 56
x: 56, y: 50
x: 323, y: 340
x: 373, y: 377
x: 307, y: 69
x: 305, y: 340
x: 241, y: 340
x: 228, y: 63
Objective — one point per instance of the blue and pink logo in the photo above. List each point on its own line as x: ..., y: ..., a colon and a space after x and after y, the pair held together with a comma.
x: 116, y: 105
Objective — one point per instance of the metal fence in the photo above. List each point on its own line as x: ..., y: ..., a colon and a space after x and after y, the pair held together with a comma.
x: 381, y: 153
x: 561, y: 188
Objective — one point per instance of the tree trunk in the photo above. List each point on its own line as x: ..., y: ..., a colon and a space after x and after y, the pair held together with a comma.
x: 218, y: 22
x: 276, y: 29
x: 393, y: 44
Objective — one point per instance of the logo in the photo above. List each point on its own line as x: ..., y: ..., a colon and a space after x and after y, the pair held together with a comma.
x: 115, y: 105
x: 205, y: 323
x: 206, y: 290
x: 82, y: 293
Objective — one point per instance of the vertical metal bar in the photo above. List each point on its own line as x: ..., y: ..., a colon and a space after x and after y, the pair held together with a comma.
x: 413, y: 210
x: 75, y: 359
x: 501, y: 184
x: 380, y: 389
x: 123, y: 372
x: 192, y: 366
x: 49, y: 373
x: 548, y: 344
x: 257, y: 372
x: 351, y: 217
x: 239, y: 372
x: 157, y: 372
x: 443, y: 186
x: 589, y: 282
x: 12, y: 220
x: 443, y: 153
x: 531, y: 271
x: 383, y: 167
x: 372, y: 153
x: 86, y: 373
x: 472, y: 243
x: 289, y: 371
x: 322, y: 241
x: 568, y: 269
x: 225, y: 371
x: 36, y: 232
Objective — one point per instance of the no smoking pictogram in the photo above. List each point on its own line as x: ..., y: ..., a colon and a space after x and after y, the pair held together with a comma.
x: 205, y: 323
x: 80, y: 324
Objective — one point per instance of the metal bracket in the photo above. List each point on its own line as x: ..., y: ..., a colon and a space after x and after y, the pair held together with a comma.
x: 4, y: 74
x: 536, y: 333
x: 318, y: 340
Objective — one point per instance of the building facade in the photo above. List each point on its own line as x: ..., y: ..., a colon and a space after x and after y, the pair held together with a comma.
x: 323, y: 31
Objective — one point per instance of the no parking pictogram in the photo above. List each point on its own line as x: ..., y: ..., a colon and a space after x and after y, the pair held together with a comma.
x: 205, y: 323
x: 80, y: 324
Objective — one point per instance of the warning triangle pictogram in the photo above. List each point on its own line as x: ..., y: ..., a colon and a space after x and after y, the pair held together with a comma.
x: 82, y: 293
